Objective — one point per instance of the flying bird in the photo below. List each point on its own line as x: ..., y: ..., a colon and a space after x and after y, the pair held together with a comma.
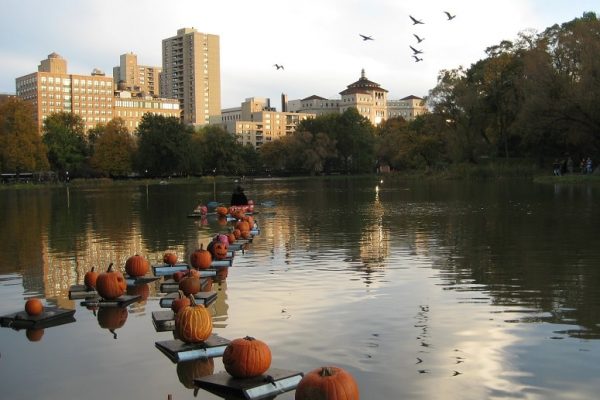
x: 278, y: 66
x: 415, y: 50
x: 417, y: 59
x: 415, y: 21
x: 419, y: 39
x: 450, y: 16
x: 365, y: 37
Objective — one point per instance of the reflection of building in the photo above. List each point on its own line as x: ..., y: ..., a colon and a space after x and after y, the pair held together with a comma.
x: 52, y: 90
x: 191, y: 73
x: 256, y: 122
x: 137, y: 77
x: 374, y: 241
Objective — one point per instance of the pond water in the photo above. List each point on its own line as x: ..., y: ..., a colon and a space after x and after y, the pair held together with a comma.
x: 421, y: 290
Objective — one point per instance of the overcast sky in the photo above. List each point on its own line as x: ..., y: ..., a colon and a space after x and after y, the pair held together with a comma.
x: 317, y: 41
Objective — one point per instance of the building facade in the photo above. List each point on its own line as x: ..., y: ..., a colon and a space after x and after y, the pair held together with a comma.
x: 408, y: 107
x: 140, y: 78
x: 191, y: 73
x: 131, y: 107
x: 314, y: 105
x: 368, y: 97
x: 255, y: 122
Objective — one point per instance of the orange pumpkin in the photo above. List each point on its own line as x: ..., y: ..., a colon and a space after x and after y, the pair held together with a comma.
x: 89, y: 279
x: 221, y: 211
x: 221, y: 274
x: 181, y: 302
x: 111, y: 284
x: 242, y: 225
x: 246, y: 235
x: 220, y: 250
x: 206, y: 284
x: 327, y: 383
x: 190, y: 285
x: 246, y: 357
x: 201, y: 259
x: 231, y: 237
x: 34, y: 334
x: 137, y: 266
x: 112, y: 318
x: 193, y: 324
x: 250, y: 220
x: 34, y: 307
x: 170, y: 258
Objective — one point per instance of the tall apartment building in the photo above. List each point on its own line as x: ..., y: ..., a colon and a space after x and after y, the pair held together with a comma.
x: 92, y: 97
x: 191, y: 73
x: 52, y: 89
x: 256, y: 122
x: 140, y: 78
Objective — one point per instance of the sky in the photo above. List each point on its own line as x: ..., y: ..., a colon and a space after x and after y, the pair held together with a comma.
x: 317, y: 41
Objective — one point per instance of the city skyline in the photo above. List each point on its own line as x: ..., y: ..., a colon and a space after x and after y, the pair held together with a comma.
x: 319, y: 43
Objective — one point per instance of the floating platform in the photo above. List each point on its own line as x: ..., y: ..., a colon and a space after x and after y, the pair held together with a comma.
x: 81, y: 292
x: 178, y: 350
x: 268, y: 385
x: 122, y: 301
x: 226, y: 262
x: 163, y: 321
x: 204, y: 298
x: 167, y: 269
x: 51, y: 316
x: 140, y: 280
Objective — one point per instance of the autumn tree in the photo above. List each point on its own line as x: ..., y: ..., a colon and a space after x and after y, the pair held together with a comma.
x: 21, y: 147
x: 114, y: 149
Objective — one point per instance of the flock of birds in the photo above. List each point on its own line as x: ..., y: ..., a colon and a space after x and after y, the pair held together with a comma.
x: 416, y: 52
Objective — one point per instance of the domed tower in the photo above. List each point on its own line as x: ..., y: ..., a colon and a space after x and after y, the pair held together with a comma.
x: 368, y: 97
x: 54, y: 63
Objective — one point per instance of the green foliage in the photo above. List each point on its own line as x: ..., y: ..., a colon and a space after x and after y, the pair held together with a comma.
x: 64, y: 137
x: 21, y: 147
x: 217, y: 151
x: 114, y: 149
x: 164, y: 146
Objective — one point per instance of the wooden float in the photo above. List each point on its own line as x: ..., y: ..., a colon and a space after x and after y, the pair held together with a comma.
x: 170, y: 286
x: 204, y: 298
x: 82, y: 292
x: 268, y: 385
x: 163, y: 321
x: 140, y: 280
x: 51, y: 316
x: 166, y: 269
x: 122, y: 301
x: 178, y: 350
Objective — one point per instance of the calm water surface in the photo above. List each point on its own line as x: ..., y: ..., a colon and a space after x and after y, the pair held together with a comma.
x: 421, y: 290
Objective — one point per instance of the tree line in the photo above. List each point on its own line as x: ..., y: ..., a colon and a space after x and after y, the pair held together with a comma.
x: 536, y: 98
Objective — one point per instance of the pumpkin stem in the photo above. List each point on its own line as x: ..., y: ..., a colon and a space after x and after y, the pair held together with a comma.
x: 326, y: 371
x: 110, y: 267
x: 192, y: 300
x: 181, y: 294
x: 93, y: 269
x: 113, y: 332
x: 249, y: 338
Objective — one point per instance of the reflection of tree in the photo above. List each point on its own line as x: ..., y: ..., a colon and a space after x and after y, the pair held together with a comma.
x: 113, y: 214
x: 68, y: 221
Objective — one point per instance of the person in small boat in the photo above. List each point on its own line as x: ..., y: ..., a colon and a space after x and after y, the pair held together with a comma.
x: 238, y: 198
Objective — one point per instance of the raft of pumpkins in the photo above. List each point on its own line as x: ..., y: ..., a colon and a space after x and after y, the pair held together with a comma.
x: 111, y: 284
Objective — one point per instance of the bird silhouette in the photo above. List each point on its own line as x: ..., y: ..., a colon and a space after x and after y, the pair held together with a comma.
x: 450, y: 16
x: 415, y: 50
x: 365, y: 37
x: 415, y: 21
x: 278, y: 66
x: 419, y: 39
x: 417, y: 59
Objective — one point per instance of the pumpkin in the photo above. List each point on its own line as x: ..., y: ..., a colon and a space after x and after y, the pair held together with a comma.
x: 193, y: 324
x: 221, y: 274
x: 206, y: 285
x: 170, y: 258
x: 112, y: 318
x: 246, y: 357
x: 137, y: 266
x: 89, y: 279
x: 34, y: 307
x: 221, y: 211
x: 327, y: 383
x: 250, y: 221
x: 190, y: 285
x: 223, y: 238
x: 246, y: 235
x: 237, y: 233
x: 201, y: 259
x: 111, y: 284
x: 194, y: 273
x: 34, y: 334
x: 220, y: 250
x: 181, y: 302
x: 231, y: 237
x: 222, y: 220
x: 242, y: 225
x: 188, y: 371
x: 178, y: 276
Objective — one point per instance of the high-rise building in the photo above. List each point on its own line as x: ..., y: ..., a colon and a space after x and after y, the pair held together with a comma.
x: 368, y: 97
x: 191, y: 73
x: 139, y: 78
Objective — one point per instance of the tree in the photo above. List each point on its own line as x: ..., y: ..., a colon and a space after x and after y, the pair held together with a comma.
x: 164, y: 145
x: 219, y: 151
x: 114, y: 149
x: 21, y: 147
x: 66, y: 143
